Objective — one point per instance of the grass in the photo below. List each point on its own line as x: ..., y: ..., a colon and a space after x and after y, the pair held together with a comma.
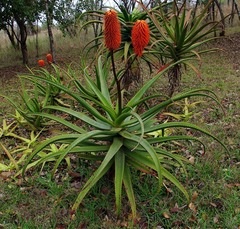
x: 67, y: 49
x: 213, y: 180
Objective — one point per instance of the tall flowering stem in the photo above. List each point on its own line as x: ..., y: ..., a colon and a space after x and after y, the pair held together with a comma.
x: 112, y: 37
x: 118, y: 82
x: 140, y: 36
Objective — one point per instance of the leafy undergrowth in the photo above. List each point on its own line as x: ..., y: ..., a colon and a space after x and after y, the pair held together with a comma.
x: 213, y: 176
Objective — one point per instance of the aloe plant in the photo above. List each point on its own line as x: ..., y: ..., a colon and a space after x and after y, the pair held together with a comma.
x: 177, y: 35
x: 115, y: 131
x: 119, y: 138
x: 34, y: 99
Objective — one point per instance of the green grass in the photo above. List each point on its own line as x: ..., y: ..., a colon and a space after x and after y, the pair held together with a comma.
x: 213, y: 180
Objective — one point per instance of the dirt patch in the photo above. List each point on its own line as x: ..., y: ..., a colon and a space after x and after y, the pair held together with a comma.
x: 231, y: 49
x: 7, y: 73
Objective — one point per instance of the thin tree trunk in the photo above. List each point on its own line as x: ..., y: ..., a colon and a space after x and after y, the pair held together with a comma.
x: 96, y: 25
x: 11, y: 37
x: 13, y: 34
x: 222, y: 17
x: 37, y: 46
x: 236, y: 7
x: 50, y: 33
x: 9, y: 29
x: 213, y: 17
x: 23, y: 39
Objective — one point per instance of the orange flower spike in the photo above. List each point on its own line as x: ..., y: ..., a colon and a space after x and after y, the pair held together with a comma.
x: 49, y: 58
x: 41, y: 63
x: 112, y: 30
x: 140, y: 36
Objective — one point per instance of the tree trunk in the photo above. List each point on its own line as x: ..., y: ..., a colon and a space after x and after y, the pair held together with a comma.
x: 37, y: 46
x: 24, y: 52
x: 50, y: 33
x: 23, y: 38
x: 96, y: 27
x: 236, y: 7
x: 9, y: 29
x: 222, y: 17
x: 213, y: 16
x: 11, y: 37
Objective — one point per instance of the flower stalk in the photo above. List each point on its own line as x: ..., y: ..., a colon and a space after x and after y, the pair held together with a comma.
x: 118, y: 83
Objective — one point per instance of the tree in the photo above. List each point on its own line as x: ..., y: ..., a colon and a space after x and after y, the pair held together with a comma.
x: 65, y: 14
x: 7, y: 22
x: 128, y: 5
x: 21, y: 12
x: 91, y: 5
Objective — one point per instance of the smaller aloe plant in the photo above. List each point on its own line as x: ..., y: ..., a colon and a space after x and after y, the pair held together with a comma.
x: 35, y: 98
x: 177, y: 35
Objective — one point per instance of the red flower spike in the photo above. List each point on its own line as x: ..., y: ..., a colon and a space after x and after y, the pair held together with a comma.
x: 112, y: 30
x: 49, y: 58
x: 140, y: 36
x: 41, y: 63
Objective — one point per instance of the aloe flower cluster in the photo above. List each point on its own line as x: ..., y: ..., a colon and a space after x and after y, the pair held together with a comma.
x: 41, y: 62
x: 112, y: 33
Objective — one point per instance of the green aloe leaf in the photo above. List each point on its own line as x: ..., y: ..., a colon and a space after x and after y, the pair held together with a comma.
x: 159, y: 140
x: 81, y: 138
x: 78, y: 98
x: 140, y: 153
x: 144, y: 158
x: 81, y: 116
x: 119, y: 171
x: 47, y: 142
x: 102, y: 169
x: 149, y: 149
x: 84, y: 152
x: 102, y: 74
x: 62, y: 121
x: 185, y: 125
x: 127, y: 180
x: 105, y: 101
x: 137, y: 164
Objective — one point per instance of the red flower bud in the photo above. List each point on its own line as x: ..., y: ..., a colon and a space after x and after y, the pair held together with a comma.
x: 49, y: 58
x: 41, y: 63
x: 140, y: 36
x: 112, y: 30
